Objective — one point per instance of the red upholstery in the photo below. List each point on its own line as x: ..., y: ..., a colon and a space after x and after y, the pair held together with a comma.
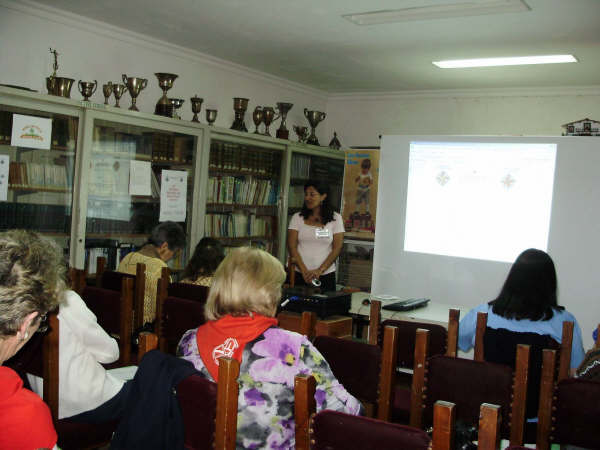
x: 356, y: 365
x: 438, y: 336
x: 577, y: 413
x: 198, y: 401
x: 333, y: 430
x: 188, y: 291
x: 401, y: 405
x: 180, y: 315
x: 106, y: 305
x: 468, y: 384
x: 113, y: 280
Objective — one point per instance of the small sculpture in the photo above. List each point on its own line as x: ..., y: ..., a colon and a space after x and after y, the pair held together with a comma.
x: 335, y: 142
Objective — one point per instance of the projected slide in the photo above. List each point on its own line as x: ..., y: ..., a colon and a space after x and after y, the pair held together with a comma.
x: 479, y: 200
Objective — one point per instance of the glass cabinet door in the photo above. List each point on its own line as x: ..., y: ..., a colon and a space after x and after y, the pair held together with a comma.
x: 243, y: 195
x: 36, y: 185
x: 118, y: 222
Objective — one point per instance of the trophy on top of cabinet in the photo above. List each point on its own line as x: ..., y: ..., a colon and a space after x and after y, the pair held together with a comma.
x: 164, y: 106
x: 211, y: 116
x: 301, y: 132
x: 313, y: 117
x: 257, y: 117
x: 134, y: 86
x: 283, y: 109
x: 87, y: 89
x: 118, y: 90
x: 107, y: 91
x: 240, y: 105
x: 196, y: 107
x: 268, y: 115
x: 59, y: 86
x: 176, y: 102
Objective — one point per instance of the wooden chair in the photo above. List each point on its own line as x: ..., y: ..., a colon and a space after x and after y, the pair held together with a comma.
x: 109, y: 279
x: 568, y: 410
x: 175, y: 315
x: 209, y: 409
x: 304, y: 324
x: 468, y: 384
x: 71, y: 435
x: 365, y: 370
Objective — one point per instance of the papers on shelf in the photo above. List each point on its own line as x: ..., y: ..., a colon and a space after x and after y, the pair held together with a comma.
x: 173, y: 195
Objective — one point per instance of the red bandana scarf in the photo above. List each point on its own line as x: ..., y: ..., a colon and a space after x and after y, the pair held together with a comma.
x: 227, y: 337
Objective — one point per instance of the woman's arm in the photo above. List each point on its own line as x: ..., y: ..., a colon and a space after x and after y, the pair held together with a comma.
x: 293, y: 249
x: 336, y: 248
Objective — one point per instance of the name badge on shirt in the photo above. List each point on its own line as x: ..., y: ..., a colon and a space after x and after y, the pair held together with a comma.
x: 322, y: 233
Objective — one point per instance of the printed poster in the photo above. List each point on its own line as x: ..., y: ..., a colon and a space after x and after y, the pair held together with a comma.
x: 173, y: 195
x: 31, y: 132
x: 361, y: 177
x: 139, y: 177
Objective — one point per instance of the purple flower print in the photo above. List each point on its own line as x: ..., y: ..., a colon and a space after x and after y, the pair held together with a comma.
x: 253, y: 397
x: 282, y: 439
x: 280, y: 350
x: 320, y: 395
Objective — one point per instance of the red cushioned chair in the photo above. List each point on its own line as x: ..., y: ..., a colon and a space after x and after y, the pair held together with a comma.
x: 365, y: 370
x: 188, y: 291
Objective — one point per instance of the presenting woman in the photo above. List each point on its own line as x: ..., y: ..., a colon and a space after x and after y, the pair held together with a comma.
x: 315, y: 237
x: 240, y: 310
x: 31, y: 282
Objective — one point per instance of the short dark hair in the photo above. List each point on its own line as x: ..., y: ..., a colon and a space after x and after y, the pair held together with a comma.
x: 207, y: 256
x: 529, y: 291
x: 366, y: 163
x: 170, y: 232
x: 326, y: 208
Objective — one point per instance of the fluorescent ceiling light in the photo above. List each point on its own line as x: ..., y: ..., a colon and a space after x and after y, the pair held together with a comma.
x: 441, y: 11
x: 510, y: 61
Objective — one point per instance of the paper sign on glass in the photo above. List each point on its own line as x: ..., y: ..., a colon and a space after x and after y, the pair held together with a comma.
x: 32, y: 132
x: 139, y: 178
x: 173, y: 195
x: 4, y: 165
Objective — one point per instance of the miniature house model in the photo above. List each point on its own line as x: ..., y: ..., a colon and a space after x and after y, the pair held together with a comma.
x: 583, y: 127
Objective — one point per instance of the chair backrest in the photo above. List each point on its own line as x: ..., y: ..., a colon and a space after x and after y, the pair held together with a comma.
x: 188, y: 291
x: 468, y: 384
x: 569, y: 410
x: 113, y: 310
x: 365, y: 370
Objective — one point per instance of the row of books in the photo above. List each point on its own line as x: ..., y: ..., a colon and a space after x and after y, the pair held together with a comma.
x: 296, y: 196
x: 243, y: 158
x: 31, y: 216
x: 245, y: 190
x: 237, y: 225
x: 40, y: 176
x: 300, y: 166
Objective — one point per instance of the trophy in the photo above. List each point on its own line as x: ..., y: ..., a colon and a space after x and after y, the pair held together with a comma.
x: 164, y: 106
x: 301, y: 132
x: 118, y: 90
x: 58, y: 86
x: 211, y: 116
x: 134, y: 86
x: 257, y: 117
x: 313, y: 117
x: 196, y: 107
x: 107, y: 91
x: 87, y: 89
x: 282, y: 109
x: 176, y: 104
x: 268, y: 115
x: 240, y: 105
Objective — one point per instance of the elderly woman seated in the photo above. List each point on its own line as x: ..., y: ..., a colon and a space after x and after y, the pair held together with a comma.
x: 240, y: 310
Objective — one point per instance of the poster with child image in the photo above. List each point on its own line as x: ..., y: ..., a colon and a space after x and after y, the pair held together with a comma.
x: 360, y: 191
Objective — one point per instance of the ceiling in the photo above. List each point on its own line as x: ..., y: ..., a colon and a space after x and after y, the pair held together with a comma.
x: 309, y: 41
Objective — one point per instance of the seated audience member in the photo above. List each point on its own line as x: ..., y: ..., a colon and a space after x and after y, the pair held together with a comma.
x: 206, y: 258
x: 240, y: 310
x: 84, y: 383
x: 527, y: 303
x: 166, y: 239
x: 31, y: 280
x: 590, y: 367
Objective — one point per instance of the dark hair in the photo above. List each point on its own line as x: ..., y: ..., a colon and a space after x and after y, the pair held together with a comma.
x: 326, y: 208
x: 169, y: 232
x: 207, y: 256
x: 529, y: 291
x: 366, y: 163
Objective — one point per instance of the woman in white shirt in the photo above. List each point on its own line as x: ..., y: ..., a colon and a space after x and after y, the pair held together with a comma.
x: 315, y: 237
x: 84, y: 384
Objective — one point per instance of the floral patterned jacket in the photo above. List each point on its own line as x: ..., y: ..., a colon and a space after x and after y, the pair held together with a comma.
x: 266, y: 396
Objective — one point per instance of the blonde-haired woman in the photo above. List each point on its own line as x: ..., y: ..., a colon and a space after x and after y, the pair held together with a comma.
x: 240, y: 309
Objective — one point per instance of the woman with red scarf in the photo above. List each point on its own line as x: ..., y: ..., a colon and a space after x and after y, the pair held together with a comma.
x: 240, y: 310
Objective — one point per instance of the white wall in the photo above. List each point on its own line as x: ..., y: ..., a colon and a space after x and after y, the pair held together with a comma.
x: 91, y: 50
x: 360, y: 119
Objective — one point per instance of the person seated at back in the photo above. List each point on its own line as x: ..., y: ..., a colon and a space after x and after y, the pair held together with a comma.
x: 83, y: 346
x: 31, y: 280
x: 589, y: 369
x: 165, y: 241
x: 206, y: 258
x: 240, y: 310
x: 528, y: 304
